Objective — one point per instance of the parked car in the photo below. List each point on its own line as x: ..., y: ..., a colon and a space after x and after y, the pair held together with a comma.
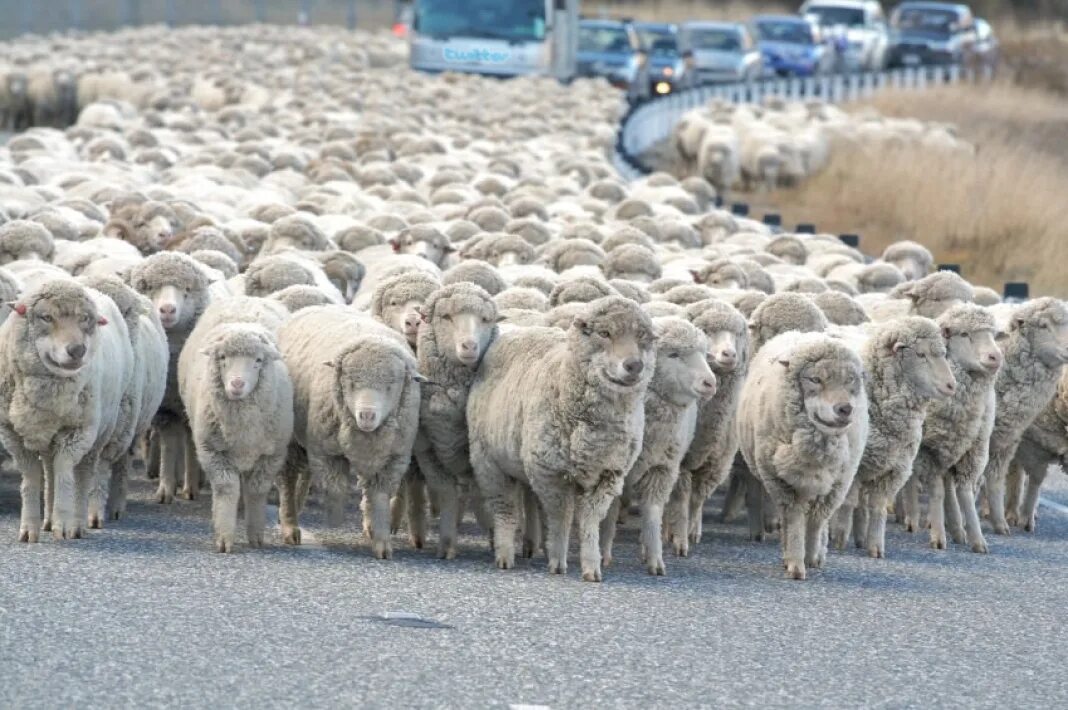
x: 669, y: 62
x: 722, y: 51
x: 923, y: 33
x: 793, y: 46
x: 986, y: 52
x: 858, y: 28
x: 612, y: 49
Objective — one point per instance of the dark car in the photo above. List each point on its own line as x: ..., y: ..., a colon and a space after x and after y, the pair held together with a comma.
x: 930, y: 33
x: 669, y: 62
x: 612, y: 49
x: 793, y: 46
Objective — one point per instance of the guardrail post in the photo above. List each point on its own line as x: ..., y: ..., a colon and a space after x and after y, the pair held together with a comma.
x: 260, y: 11
x: 350, y: 15
x: 168, y: 13
x: 75, y: 8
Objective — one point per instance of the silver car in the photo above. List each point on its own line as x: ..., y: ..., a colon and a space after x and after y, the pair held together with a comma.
x: 857, y: 28
x: 721, y: 51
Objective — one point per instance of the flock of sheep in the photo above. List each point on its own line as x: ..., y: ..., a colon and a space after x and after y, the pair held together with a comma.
x: 436, y: 292
x: 777, y: 143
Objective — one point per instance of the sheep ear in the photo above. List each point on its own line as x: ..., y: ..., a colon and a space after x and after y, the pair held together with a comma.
x: 416, y: 377
x: 19, y: 308
x: 897, y: 347
x: 1018, y: 322
x: 448, y: 249
x: 582, y: 325
x: 101, y: 321
x: 696, y: 276
x: 327, y: 363
x: 395, y: 244
x: 785, y: 362
x: 947, y: 333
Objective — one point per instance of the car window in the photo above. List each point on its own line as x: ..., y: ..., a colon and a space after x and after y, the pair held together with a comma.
x: 663, y: 43
x: 835, y: 15
x: 604, y: 39
x: 784, y: 31
x: 724, y: 40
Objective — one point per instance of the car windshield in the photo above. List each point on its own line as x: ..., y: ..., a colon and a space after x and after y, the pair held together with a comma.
x: 661, y: 43
x: 515, y: 20
x: 833, y: 15
x: 723, y: 40
x: 925, y: 20
x: 603, y: 39
x: 783, y: 31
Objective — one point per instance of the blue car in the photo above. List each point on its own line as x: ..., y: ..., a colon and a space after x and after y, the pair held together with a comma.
x: 612, y: 49
x: 670, y: 64
x: 793, y: 46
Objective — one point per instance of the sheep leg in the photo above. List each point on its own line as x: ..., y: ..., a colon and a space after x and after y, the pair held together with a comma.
x: 876, y: 529
x: 677, y: 522
x: 793, y: 540
x: 532, y: 527
x: 652, y: 543
x: 192, y: 467
x: 693, y: 514
x: 99, y: 483
x: 861, y: 522
x: 912, y: 505
x: 736, y: 495
x: 397, y: 505
x: 936, y: 512
x: 117, y: 486
x: 954, y: 525
x: 1013, y: 489
x: 559, y: 506
x: 972, y: 527
x: 482, y: 517
x: 770, y: 518
x: 501, y: 502
x: 1036, y: 473
x: 754, y: 501
x: 899, y: 506
x: 815, y: 532
x: 996, y: 471
x: 841, y: 525
x: 152, y: 456
x: 170, y: 443
x: 591, y: 507
x: 608, y: 531
x: 288, y: 509
x: 30, y: 490
x: 66, y: 524
x: 255, y: 499
x: 337, y: 500
x: 225, y: 490
x: 416, y: 511
x: 376, y: 499
x: 49, y: 493
x: 448, y: 494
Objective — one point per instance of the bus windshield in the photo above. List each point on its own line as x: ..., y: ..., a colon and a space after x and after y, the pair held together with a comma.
x: 515, y: 20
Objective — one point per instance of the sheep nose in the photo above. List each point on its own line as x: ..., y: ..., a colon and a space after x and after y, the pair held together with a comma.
x: 366, y: 417
x: 843, y: 410
x: 633, y: 366
x: 993, y: 358
x: 412, y: 320
x: 470, y: 345
x: 728, y: 354
x: 76, y: 352
x: 709, y: 384
x: 168, y: 309
x: 237, y: 383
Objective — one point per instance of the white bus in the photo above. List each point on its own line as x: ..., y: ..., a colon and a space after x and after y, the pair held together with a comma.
x: 495, y: 37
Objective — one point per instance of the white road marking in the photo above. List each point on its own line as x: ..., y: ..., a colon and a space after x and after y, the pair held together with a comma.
x: 1062, y: 509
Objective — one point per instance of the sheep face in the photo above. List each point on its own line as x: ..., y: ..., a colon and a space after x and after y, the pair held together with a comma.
x: 464, y: 332
x: 371, y: 380
x: 510, y: 257
x: 682, y: 372
x: 616, y: 342
x: 831, y: 389
x: 171, y: 304
x: 63, y: 331
x: 973, y: 350
x: 154, y: 234
x: 914, y: 269
x: 729, y: 277
x: 404, y: 317
x: 434, y: 249
x: 723, y: 351
x: 238, y: 358
x: 1047, y: 332
x: 925, y: 367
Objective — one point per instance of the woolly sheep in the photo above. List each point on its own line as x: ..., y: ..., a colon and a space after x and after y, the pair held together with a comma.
x: 986, y: 296
x: 840, y: 309
x: 356, y: 408
x: 517, y: 297
x: 178, y: 290
x: 905, y: 361
x: 424, y: 241
x: 914, y: 260
x: 954, y: 449
x: 475, y: 272
x: 22, y: 239
x: 682, y: 379
x: 632, y: 262
x: 460, y: 325
x: 802, y: 426
x: 296, y: 232
x: 715, y: 444
x: 65, y: 359
x: 239, y: 400
x: 1044, y: 443
x: 397, y: 302
x: 581, y: 289
x: 564, y: 254
x: 301, y: 296
x: 781, y: 313
x: 722, y: 273
x: 930, y: 297
x: 1035, y: 350
x: 572, y: 435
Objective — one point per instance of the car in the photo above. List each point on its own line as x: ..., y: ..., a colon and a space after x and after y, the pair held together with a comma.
x: 858, y: 27
x: 612, y: 49
x: 669, y: 62
x: 793, y: 46
x: 986, y: 52
x: 722, y: 51
x: 930, y: 33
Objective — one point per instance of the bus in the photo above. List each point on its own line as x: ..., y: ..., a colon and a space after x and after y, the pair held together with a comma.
x: 495, y: 37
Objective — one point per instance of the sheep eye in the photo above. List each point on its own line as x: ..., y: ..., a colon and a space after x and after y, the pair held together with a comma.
x: 446, y: 316
x: 604, y: 334
x: 813, y: 380
x: 674, y: 356
x: 259, y: 361
x: 394, y: 302
x: 965, y: 335
x: 1043, y: 325
x: 46, y: 318
x: 486, y: 320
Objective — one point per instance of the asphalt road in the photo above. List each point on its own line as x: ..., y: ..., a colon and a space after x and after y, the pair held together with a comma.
x: 145, y: 614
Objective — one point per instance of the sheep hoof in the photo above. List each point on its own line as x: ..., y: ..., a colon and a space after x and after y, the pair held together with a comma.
x: 606, y: 561
x: 528, y: 550
x: 958, y: 537
x: 557, y: 567
x: 1002, y: 529
x: 876, y: 553
x: 46, y: 526
x: 417, y: 542
x: 189, y: 494
x: 290, y: 536
x: 96, y: 522
x: 1029, y: 526
x: 756, y: 537
x: 224, y: 544
x: 657, y: 569
x: 838, y: 540
x: 682, y: 549
x: 28, y: 535
x: 255, y: 541
x: 980, y: 547
x: 117, y: 514
x: 795, y: 570
x: 910, y: 526
x: 66, y: 532
x: 382, y: 552
x: 447, y: 553
x: 814, y: 562
x: 164, y: 497
x: 593, y: 575
x: 504, y: 562
x: 938, y: 543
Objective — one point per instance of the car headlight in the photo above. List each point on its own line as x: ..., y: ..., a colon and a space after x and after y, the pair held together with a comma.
x: 669, y: 71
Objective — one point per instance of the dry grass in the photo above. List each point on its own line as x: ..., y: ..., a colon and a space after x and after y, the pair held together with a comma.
x: 1036, y: 56
x: 1003, y: 214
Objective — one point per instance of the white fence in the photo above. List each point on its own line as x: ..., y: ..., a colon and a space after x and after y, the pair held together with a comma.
x: 649, y: 123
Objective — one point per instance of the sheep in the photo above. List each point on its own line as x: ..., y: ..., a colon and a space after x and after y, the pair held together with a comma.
x: 782, y: 313
x: 460, y: 324
x: 708, y: 459
x: 906, y: 364
x: 954, y: 449
x: 914, y: 260
x: 296, y: 232
x: 580, y: 289
x: 722, y: 273
x: 632, y: 262
x: 1035, y: 350
x: 178, y: 289
x: 239, y: 399
x: 476, y: 272
x: 682, y: 379
x: 1043, y: 444
x: 802, y: 427
x: 300, y: 296
x: 840, y: 309
x: 343, y: 270
x: 24, y: 240
x: 397, y: 300
x: 986, y: 296
x: 500, y: 249
x: 356, y: 393
x: 216, y: 260
x: 65, y: 358
x: 930, y: 297
x: 564, y: 254
x: 634, y: 291
x: 424, y: 241
x: 140, y: 400
x: 573, y: 434
x: 517, y: 297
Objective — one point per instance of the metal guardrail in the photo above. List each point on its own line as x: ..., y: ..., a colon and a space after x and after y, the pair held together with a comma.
x: 647, y: 124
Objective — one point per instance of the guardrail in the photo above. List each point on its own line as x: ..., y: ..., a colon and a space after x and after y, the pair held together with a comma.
x: 647, y: 124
